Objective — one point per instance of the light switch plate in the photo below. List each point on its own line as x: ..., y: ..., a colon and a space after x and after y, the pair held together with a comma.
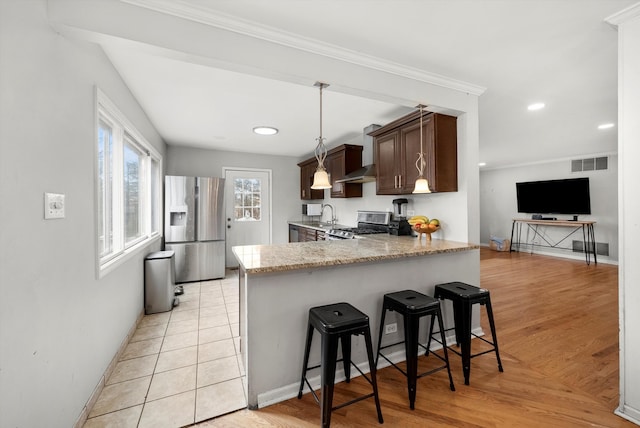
x: 53, y: 205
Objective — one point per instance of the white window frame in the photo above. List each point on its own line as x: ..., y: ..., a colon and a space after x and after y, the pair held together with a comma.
x: 123, y: 130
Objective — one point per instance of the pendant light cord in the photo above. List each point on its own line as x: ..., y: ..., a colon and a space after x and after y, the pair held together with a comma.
x: 420, y: 161
x: 321, y: 150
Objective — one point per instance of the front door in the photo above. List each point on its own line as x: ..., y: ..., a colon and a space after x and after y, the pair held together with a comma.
x: 247, y: 209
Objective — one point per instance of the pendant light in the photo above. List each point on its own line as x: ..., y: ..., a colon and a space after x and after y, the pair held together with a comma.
x: 320, y: 177
x: 422, y: 185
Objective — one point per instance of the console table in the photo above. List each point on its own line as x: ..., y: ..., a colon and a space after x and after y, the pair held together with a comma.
x: 588, y: 235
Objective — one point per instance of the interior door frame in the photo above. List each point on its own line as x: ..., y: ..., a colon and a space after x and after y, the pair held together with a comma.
x: 270, y: 188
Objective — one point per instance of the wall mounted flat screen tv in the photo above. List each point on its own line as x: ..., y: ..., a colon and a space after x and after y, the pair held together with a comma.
x: 569, y: 196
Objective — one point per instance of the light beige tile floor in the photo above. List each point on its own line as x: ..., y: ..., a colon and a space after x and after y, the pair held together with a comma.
x: 180, y: 367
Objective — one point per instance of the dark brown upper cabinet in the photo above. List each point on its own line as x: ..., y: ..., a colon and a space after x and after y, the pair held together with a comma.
x: 307, y: 169
x: 341, y: 161
x: 396, y: 148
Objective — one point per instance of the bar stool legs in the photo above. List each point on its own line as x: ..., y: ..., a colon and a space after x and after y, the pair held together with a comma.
x: 492, y: 326
x: 411, y: 352
x: 337, y: 323
x: 328, y: 376
x: 463, y: 297
x: 345, y: 341
x: 413, y: 306
x: 305, y: 359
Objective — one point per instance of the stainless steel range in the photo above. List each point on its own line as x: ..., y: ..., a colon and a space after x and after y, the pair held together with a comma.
x: 369, y: 222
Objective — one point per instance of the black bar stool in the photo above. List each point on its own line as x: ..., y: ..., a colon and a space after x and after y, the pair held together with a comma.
x: 464, y: 296
x: 337, y: 322
x: 413, y: 306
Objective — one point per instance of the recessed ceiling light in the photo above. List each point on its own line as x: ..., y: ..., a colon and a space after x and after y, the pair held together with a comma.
x: 535, y: 106
x: 482, y: 164
x: 606, y: 126
x: 265, y: 130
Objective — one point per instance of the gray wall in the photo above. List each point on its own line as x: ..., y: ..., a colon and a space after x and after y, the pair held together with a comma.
x: 59, y: 325
x: 498, y: 202
x: 285, y: 204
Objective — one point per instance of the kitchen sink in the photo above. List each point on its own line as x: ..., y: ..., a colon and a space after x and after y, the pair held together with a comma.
x: 323, y: 225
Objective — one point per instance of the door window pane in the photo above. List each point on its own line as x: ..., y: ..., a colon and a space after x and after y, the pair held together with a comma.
x: 247, y: 193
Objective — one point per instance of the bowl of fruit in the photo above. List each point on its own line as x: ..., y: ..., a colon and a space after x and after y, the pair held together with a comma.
x: 423, y: 225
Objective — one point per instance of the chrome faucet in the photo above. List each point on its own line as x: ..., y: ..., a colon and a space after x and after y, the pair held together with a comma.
x: 333, y: 218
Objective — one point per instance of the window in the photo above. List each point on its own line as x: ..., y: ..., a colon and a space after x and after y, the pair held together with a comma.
x: 128, y: 177
x: 247, y: 199
x: 133, y: 187
x: 105, y: 196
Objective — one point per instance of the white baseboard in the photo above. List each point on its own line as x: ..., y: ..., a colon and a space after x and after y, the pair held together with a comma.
x: 289, y: 391
x: 565, y: 255
x: 86, y: 410
x: 629, y: 413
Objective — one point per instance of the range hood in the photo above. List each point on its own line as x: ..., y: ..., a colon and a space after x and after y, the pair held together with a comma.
x: 367, y: 173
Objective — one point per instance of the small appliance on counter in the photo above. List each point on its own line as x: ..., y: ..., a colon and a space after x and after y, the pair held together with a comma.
x: 399, y: 224
x: 312, y: 209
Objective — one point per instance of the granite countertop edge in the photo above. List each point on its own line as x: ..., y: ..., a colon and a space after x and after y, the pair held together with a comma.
x: 308, y: 255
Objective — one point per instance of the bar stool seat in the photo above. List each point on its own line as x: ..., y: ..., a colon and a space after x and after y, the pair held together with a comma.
x: 464, y: 296
x: 337, y: 322
x: 413, y: 306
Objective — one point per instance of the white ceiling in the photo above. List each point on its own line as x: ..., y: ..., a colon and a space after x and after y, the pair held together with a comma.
x: 558, y: 52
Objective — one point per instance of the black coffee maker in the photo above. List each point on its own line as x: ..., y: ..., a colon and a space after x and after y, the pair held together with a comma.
x: 399, y: 224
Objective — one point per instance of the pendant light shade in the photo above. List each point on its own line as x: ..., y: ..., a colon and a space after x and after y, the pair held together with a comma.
x: 321, y: 178
x: 422, y: 185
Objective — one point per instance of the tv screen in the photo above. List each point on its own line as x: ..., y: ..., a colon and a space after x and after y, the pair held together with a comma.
x: 569, y: 196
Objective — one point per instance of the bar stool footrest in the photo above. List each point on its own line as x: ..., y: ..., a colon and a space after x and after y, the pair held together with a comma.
x: 450, y: 347
x: 418, y: 376
x: 340, y: 406
x: 355, y: 400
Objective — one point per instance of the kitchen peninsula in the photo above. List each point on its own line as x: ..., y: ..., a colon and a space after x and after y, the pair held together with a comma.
x: 279, y: 283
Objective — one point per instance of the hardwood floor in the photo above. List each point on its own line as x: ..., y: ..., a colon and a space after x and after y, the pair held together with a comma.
x: 557, y: 326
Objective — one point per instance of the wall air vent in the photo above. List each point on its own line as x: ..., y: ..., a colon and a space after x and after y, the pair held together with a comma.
x: 602, y: 248
x: 590, y: 164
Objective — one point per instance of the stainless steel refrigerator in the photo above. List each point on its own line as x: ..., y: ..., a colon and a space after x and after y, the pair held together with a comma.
x: 194, y: 226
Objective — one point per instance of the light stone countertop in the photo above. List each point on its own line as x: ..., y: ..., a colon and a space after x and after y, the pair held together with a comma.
x: 304, y: 255
x: 321, y: 226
